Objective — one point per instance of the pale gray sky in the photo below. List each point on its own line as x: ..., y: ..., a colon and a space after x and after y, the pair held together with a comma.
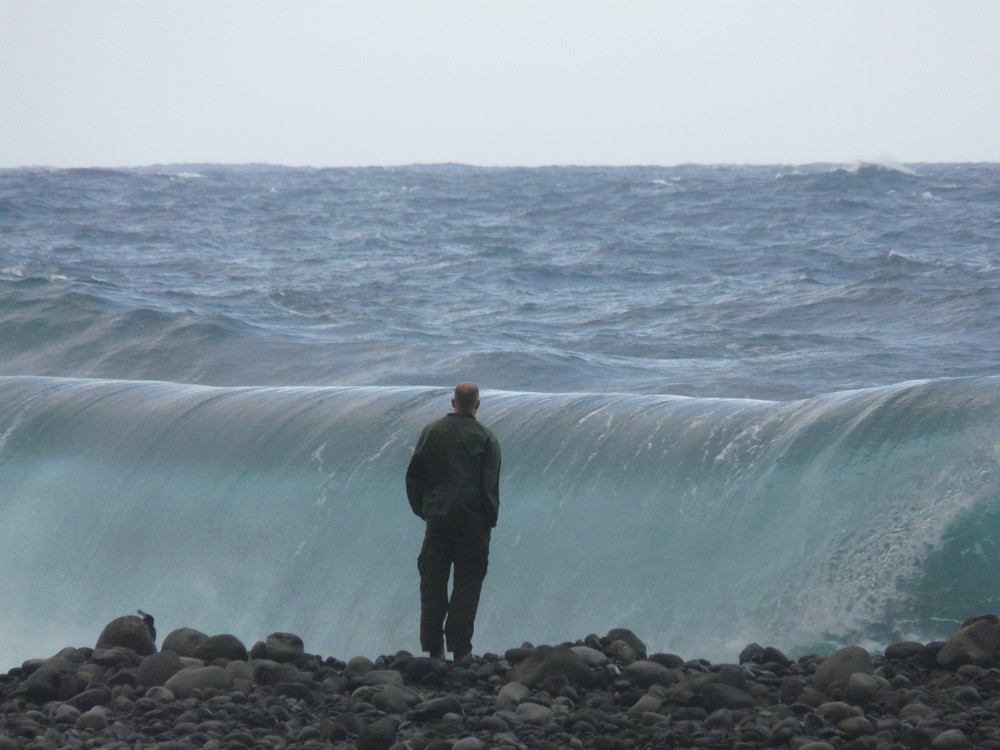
x: 498, y: 82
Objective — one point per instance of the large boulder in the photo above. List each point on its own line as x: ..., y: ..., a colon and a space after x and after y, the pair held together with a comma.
x: 225, y: 646
x: 552, y: 661
x: 629, y: 638
x: 977, y: 643
x: 645, y: 673
x: 841, y: 665
x: 284, y: 647
x: 157, y: 668
x: 184, y: 641
x: 130, y: 631
x: 187, y: 681
x: 53, y: 680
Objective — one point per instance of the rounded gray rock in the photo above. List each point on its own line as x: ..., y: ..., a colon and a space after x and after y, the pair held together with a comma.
x: 841, y: 665
x: 951, y: 739
x: 379, y: 735
x: 645, y: 673
x: 183, y: 641
x: 187, y: 681
x: 552, y: 661
x: 157, y: 668
x: 284, y: 647
x: 224, y: 646
x: 129, y: 631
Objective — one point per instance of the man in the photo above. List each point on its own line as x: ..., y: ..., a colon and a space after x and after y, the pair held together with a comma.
x: 453, y: 483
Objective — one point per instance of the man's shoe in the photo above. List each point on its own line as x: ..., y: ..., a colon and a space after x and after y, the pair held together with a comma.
x: 437, y: 653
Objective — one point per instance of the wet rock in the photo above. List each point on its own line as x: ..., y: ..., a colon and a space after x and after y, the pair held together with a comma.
x: 645, y: 673
x: 183, y: 641
x: 861, y: 689
x: 511, y: 694
x: 549, y: 661
x: 975, y: 643
x: 533, y: 713
x: 436, y: 708
x: 379, y: 735
x: 841, y: 665
x: 267, y: 672
x: 590, y: 656
x: 720, y: 695
x: 95, y: 719
x: 224, y: 646
x: 903, y: 650
x: 358, y: 666
x: 951, y: 739
x: 630, y: 638
x: 157, y: 668
x: 282, y: 647
x: 130, y: 631
x: 187, y: 681
x: 87, y: 699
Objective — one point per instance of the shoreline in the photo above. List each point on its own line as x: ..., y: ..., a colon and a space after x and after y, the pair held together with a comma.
x: 602, y: 692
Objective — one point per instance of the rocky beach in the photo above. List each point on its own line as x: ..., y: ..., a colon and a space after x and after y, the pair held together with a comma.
x: 602, y: 692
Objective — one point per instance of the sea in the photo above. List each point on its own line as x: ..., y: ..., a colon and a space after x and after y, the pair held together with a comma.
x: 736, y: 403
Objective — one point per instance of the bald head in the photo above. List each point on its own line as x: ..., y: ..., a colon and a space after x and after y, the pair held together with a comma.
x: 466, y: 400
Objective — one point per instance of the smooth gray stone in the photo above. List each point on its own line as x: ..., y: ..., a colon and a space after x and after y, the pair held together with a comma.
x: 223, y: 646
x: 53, y: 680
x: 379, y: 735
x: 129, y: 631
x: 183, y: 641
x: 861, y: 689
x: 240, y: 670
x: 549, y: 661
x: 95, y: 719
x: 381, y: 677
x: 720, y: 695
x: 436, y: 708
x: 67, y: 714
x: 410, y: 696
x: 841, y: 665
x: 273, y: 673
x: 856, y: 726
x: 284, y: 647
x: 156, y: 669
x: 187, y: 681
x: 511, y: 694
x: 836, y: 711
x: 903, y: 650
x: 645, y: 673
x: 86, y: 700
x: 649, y: 703
x: 534, y: 713
x: 976, y: 643
x: 590, y: 656
x: 626, y: 635
x: 358, y: 666
x: 951, y: 739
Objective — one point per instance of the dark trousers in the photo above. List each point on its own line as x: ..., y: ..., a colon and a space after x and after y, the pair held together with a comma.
x: 441, y: 617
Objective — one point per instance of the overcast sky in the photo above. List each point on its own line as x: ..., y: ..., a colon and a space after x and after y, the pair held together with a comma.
x: 498, y: 82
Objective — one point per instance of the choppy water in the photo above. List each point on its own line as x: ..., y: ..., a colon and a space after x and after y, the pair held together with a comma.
x: 736, y: 403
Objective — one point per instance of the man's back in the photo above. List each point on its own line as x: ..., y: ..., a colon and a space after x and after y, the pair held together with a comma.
x: 453, y: 477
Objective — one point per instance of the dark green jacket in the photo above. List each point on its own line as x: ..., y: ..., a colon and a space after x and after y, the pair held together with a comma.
x: 454, y: 476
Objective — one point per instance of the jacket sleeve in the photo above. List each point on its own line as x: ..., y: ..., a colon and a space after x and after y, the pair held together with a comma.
x: 416, y: 480
x: 491, y: 480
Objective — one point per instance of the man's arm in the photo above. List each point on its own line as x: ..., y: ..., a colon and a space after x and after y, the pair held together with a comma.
x: 491, y: 480
x: 416, y: 478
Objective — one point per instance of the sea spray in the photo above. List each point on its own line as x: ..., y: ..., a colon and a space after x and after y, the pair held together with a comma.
x: 701, y: 524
